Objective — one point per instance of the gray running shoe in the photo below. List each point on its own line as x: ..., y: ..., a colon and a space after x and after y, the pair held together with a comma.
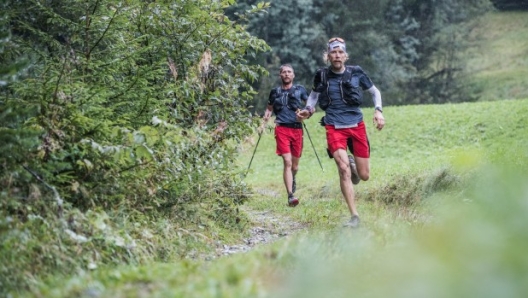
x: 293, y: 201
x: 353, y: 222
x: 353, y: 170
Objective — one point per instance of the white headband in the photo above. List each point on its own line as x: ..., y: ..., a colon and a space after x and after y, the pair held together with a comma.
x: 336, y: 44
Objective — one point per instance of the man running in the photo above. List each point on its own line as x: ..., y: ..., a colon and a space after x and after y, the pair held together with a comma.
x: 339, y: 91
x: 284, y: 101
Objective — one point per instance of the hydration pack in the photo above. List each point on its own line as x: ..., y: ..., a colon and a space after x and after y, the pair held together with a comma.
x: 351, y: 92
x: 290, y: 99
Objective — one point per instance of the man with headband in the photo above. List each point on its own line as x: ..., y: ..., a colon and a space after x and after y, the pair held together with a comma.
x: 284, y: 101
x: 338, y: 89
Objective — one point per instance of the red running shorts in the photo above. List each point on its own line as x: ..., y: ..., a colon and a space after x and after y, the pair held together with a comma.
x: 341, y: 138
x: 289, y: 140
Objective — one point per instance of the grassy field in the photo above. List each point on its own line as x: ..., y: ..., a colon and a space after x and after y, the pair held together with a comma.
x: 498, y: 56
x: 444, y: 214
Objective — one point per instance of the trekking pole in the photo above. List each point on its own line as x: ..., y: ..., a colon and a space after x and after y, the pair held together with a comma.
x: 254, y: 151
x: 306, y: 128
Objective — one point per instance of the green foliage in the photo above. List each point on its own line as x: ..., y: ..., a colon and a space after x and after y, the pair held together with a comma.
x: 15, y: 139
x: 429, y: 37
x: 10, y: 69
x: 288, y: 27
x: 98, y: 89
x: 103, y: 73
x: 153, y: 176
x: 510, y: 4
x: 459, y: 247
x: 65, y: 241
x: 132, y: 109
x: 411, y: 49
x: 410, y: 189
x: 41, y: 244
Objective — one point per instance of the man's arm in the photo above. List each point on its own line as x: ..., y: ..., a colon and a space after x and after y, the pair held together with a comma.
x: 267, y: 113
x: 376, y: 96
x: 309, y: 109
x: 379, y: 120
x: 265, y: 118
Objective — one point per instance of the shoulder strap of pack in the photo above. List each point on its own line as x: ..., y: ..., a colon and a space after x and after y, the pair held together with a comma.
x: 350, y: 69
x: 278, y: 90
x: 296, y: 88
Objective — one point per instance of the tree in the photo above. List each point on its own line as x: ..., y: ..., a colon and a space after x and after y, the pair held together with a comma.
x: 291, y: 29
x: 15, y: 139
x: 130, y: 111
x: 432, y: 45
x: 409, y: 48
x: 130, y: 104
x: 510, y: 4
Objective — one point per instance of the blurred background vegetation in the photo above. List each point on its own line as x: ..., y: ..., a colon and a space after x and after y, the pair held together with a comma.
x: 125, y: 126
x: 412, y: 50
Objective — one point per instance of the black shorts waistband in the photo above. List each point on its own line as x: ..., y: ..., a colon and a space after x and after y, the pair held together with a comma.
x: 291, y: 125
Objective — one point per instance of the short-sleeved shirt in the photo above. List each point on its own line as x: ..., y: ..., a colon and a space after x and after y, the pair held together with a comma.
x: 287, y: 115
x: 338, y: 112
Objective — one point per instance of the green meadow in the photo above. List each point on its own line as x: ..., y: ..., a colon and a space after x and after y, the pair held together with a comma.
x: 444, y: 213
x: 497, y: 58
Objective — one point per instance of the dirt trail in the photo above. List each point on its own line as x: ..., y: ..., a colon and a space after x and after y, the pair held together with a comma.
x: 267, y: 227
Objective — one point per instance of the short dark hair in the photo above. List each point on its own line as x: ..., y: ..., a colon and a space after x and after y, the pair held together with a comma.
x: 285, y: 65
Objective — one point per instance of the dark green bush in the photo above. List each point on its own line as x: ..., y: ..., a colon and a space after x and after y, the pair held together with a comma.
x: 127, y: 117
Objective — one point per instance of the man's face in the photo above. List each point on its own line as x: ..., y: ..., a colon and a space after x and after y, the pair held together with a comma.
x: 337, y: 58
x: 287, y: 75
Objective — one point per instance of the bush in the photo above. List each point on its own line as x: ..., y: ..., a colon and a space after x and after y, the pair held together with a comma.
x: 122, y: 122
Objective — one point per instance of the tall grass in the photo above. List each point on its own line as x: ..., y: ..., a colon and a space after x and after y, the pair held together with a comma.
x: 471, y: 249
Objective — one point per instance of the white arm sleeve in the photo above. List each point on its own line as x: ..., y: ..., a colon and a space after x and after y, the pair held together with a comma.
x: 376, y: 96
x: 312, y: 100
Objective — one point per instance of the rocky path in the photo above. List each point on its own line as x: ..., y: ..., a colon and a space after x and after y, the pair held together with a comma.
x: 267, y: 227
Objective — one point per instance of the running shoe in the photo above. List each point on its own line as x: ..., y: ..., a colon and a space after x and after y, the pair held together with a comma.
x: 353, y: 222
x: 293, y: 201
x: 353, y: 170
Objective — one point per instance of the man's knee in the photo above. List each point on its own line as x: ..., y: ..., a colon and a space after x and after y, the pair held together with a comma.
x: 344, y: 169
x: 295, y: 168
x: 288, y: 163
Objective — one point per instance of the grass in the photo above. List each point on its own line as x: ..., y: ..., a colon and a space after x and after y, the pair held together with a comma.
x: 498, y: 55
x: 416, y: 140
